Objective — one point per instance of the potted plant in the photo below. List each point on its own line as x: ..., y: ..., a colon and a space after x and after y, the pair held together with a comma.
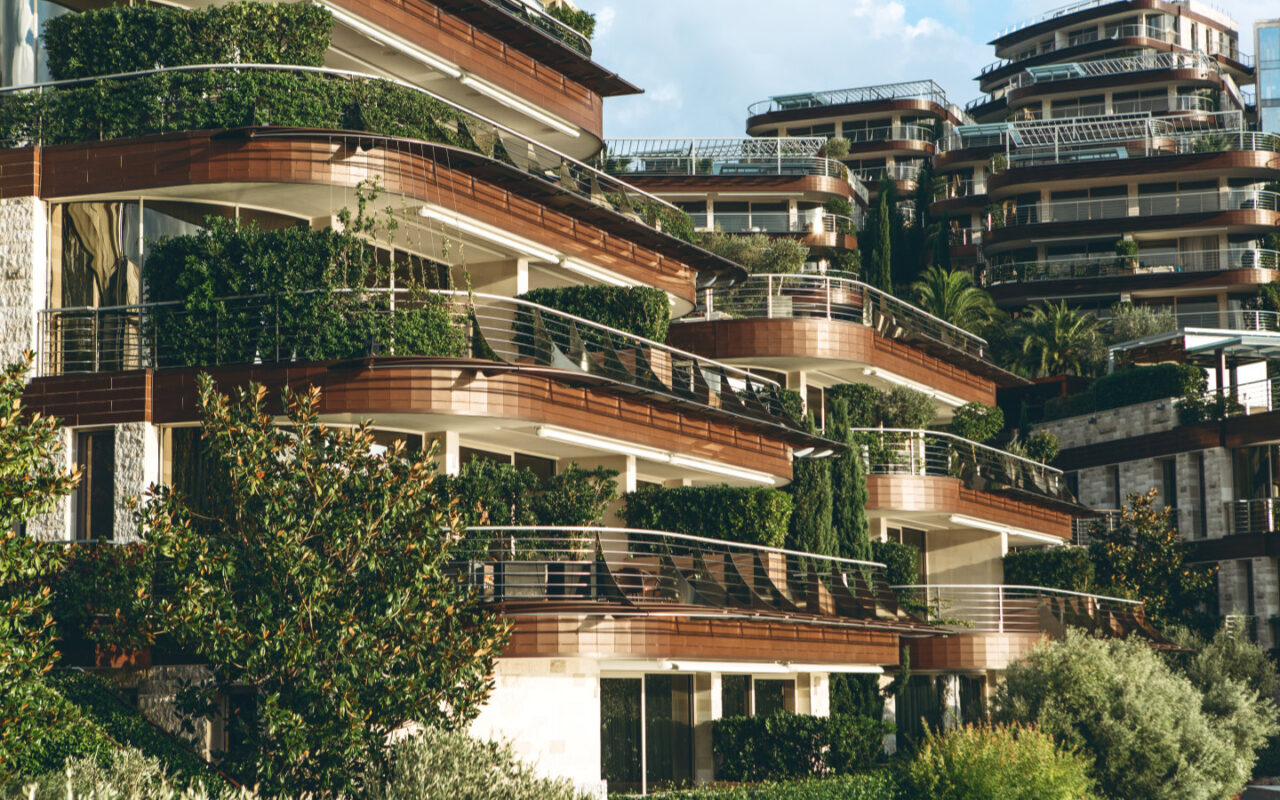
x: 1127, y: 256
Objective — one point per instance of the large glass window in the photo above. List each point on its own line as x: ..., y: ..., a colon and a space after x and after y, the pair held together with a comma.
x: 652, y: 715
x: 95, y: 454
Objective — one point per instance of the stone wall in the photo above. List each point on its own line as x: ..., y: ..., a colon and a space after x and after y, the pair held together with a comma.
x: 23, y: 274
x: 137, y: 467
x: 1114, y: 423
x: 56, y: 525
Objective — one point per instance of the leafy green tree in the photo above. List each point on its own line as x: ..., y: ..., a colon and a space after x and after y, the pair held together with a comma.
x: 810, y: 529
x: 977, y: 421
x: 848, y: 489
x: 758, y: 253
x: 321, y: 583
x: 1144, y: 726
x: 995, y: 762
x: 31, y: 482
x: 1143, y: 557
x: 952, y: 296
x: 1057, y: 340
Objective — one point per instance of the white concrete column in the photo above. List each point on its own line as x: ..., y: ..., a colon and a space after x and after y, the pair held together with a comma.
x: 448, y: 462
x: 820, y: 694
x: 706, y: 707
x: 889, y: 715
x: 506, y: 278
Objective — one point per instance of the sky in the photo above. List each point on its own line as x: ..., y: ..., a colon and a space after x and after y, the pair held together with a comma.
x: 702, y: 62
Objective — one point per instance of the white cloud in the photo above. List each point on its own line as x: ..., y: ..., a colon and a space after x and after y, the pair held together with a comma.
x: 604, y: 21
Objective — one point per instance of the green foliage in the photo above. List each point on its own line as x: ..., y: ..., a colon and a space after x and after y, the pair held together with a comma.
x: 902, y: 562
x: 792, y: 403
x: 848, y: 489
x: 1232, y: 656
x: 1194, y: 409
x: 904, y: 407
x: 641, y: 310
x: 978, y: 422
x: 856, y: 694
x: 1143, y: 556
x: 31, y: 482
x: 786, y: 745
x: 995, y: 762
x: 1051, y: 567
x: 865, y: 403
x: 1041, y: 446
x: 837, y: 147
x: 1143, y: 384
x: 1129, y: 322
x: 954, y: 297
x: 877, y: 785
x: 672, y: 221
x: 124, y: 773
x: 1144, y: 727
x: 492, y: 493
x: 840, y: 206
x: 342, y: 617
x: 1071, y: 405
x: 99, y: 596
x: 880, y: 232
x: 1057, y: 340
x: 755, y: 515
x: 47, y: 732
x: 450, y: 764
x: 758, y: 253
x: 584, y: 22
x: 308, y: 299
x: 116, y: 39
x: 811, y: 529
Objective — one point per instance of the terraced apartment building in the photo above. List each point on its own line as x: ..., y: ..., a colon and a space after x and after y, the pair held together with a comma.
x: 626, y: 644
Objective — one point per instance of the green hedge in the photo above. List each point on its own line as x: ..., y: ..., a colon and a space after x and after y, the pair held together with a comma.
x: 493, y: 493
x: 755, y: 515
x: 902, y: 561
x: 864, y: 403
x: 584, y: 22
x: 785, y: 745
x: 978, y: 422
x: 118, y: 39
x: 1072, y: 405
x: 640, y: 310
x: 1128, y: 387
x: 879, y: 785
x: 1068, y: 568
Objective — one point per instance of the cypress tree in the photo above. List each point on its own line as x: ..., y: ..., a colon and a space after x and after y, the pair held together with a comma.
x: 810, y: 530
x: 882, y: 257
x: 848, y: 490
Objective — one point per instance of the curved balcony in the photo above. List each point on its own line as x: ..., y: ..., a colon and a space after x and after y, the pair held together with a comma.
x: 1114, y: 34
x: 1114, y: 67
x: 1230, y: 320
x: 1145, y: 207
x: 719, y: 157
x: 978, y: 608
x: 1106, y: 266
x: 907, y: 90
x: 935, y: 454
x: 259, y: 330
x: 535, y: 19
x: 903, y: 173
x: 540, y: 570
x: 780, y: 222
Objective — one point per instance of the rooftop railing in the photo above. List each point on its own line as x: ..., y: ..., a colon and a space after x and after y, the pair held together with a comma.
x: 889, y: 133
x: 1151, y: 205
x: 771, y: 296
x: 719, y: 157
x: 620, y: 571
x: 923, y: 453
x: 1083, y: 5
x: 778, y: 222
x: 908, y: 90
x: 1166, y: 35
x: 1151, y: 263
x: 1000, y: 609
x: 1052, y: 73
x: 894, y: 172
x: 544, y: 22
x: 260, y: 330
x: 223, y: 96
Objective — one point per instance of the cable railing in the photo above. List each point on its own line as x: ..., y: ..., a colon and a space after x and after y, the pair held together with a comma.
x: 778, y: 222
x: 359, y: 324
x: 544, y: 22
x: 1052, y: 73
x: 988, y: 608
x: 1259, y: 515
x: 1151, y: 205
x: 722, y: 157
x: 889, y: 133
x: 1239, y: 319
x: 224, y: 96
x: 1150, y: 263
x: 894, y: 172
x: 907, y: 90
x: 924, y: 453
x: 1166, y: 35
x: 536, y: 569
x: 1083, y: 528
x: 773, y: 296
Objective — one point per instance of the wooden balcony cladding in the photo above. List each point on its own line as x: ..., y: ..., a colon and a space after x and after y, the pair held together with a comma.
x: 774, y: 118
x: 700, y: 639
x: 1242, y: 218
x: 971, y: 652
x: 997, y: 76
x: 1239, y: 163
x: 521, y: 205
x: 903, y: 493
x: 748, y: 339
x: 449, y: 387
x: 577, y: 98
x: 1017, y: 295
x: 1034, y: 93
x: 902, y: 147
x: 20, y: 173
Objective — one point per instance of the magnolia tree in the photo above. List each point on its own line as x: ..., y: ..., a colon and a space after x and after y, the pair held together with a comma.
x: 316, y: 580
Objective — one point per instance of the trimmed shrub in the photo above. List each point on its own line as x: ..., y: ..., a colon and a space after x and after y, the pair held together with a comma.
x: 755, y: 515
x: 902, y: 561
x: 451, y: 764
x: 995, y: 763
x: 1067, y: 568
x: 1072, y: 405
x: 864, y: 403
x: 1041, y: 446
x: 840, y: 206
x: 789, y: 745
x: 903, y: 407
x: 493, y: 493
x: 977, y: 421
x: 878, y: 785
x: 1143, y: 384
x: 640, y: 310
x: 118, y: 39
x: 836, y: 147
x: 1195, y: 409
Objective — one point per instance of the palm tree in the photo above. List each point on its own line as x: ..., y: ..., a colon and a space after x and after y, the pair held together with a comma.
x: 952, y: 296
x: 1057, y: 340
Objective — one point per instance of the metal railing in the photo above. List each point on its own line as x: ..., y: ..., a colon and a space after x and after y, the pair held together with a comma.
x: 987, y: 608
x: 956, y: 188
x: 724, y: 157
x: 1151, y: 263
x: 534, y: 569
x: 907, y: 90
x: 1250, y: 397
x: 1114, y: 66
x: 251, y: 330
x: 778, y: 222
x: 895, y: 172
x: 170, y: 106
x: 1261, y: 515
x: 1166, y: 35
x: 889, y: 133
x: 773, y: 296
x: 923, y: 453
x: 544, y: 22
x: 1230, y: 320
x: 1140, y: 206
x: 1083, y: 527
